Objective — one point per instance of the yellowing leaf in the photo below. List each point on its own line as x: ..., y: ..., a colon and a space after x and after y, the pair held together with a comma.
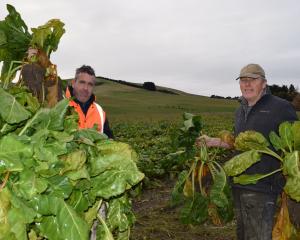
x: 188, y: 188
x: 283, y: 228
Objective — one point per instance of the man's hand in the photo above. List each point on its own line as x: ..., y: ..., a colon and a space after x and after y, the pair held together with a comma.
x: 211, y: 142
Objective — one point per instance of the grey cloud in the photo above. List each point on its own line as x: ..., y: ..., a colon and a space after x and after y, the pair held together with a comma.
x: 196, y: 46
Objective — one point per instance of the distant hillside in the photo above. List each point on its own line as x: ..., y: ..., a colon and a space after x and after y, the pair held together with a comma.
x: 129, y: 101
x: 141, y: 85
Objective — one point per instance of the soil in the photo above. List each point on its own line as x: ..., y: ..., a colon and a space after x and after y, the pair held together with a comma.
x: 157, y: 220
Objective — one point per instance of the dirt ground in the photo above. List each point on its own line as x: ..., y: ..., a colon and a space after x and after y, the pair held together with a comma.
x: 157, y: 220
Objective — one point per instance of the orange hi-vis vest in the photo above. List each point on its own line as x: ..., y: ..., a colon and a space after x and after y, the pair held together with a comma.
x: 94, y: 115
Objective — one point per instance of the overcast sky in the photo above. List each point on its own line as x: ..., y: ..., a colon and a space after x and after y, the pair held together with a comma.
x: 193, y: 45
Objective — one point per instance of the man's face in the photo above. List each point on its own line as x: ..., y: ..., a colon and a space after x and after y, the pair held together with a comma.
x: 252, y: 89
x: 83, y: 87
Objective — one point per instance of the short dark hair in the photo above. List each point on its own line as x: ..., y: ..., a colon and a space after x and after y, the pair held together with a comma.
x: 85, y: 69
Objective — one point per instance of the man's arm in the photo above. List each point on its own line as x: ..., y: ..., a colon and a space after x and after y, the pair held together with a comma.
x: 107, y: 130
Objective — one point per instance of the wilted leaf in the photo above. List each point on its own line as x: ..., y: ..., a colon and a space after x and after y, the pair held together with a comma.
x: 213, y: 215
x: 283, y: 227
x: 188, y: 188
x: 251, y: 140
x: 48, y: 35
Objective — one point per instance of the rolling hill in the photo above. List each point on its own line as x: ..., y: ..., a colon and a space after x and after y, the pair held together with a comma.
x: 130, y: 103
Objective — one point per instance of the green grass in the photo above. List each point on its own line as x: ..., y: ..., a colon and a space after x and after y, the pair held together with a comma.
x: 126, y: 103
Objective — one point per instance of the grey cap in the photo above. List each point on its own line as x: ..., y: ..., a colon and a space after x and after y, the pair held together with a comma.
x: 252, y: 70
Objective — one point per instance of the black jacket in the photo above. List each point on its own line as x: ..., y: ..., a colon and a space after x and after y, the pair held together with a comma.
x: 265, y: 116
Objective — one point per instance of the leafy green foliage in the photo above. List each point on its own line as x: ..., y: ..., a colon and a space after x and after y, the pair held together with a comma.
x: 250, y: 140
x: 203, y: 190
x: 56, y: 177
x: 254, y: 144
x: 241, y: 162
x: 48, y: 35
x: 153, y: 143
x: 15, y: 40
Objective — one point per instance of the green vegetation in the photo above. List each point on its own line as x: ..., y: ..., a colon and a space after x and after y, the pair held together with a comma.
x: 253, y: 144
x: 56, y: 177
x: 203, y: 189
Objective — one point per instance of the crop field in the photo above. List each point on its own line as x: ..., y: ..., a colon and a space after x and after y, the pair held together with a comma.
x: 149, y: 122
x: 156, y: 180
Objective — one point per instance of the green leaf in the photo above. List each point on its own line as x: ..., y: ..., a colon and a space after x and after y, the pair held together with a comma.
x: 119, y: 214
x: 50, y: 228
x: 48, y: 35
x: 251, y: 140
x: 91, y: 214
x: 65, y: 222
x: 51, y: 119
x: 24, y: 208
x: 78, y: 201
x: 19, y: 216
x: 91, y: 134
x: 249, y: 179
x: 177, y: 196
x: 59, y: 186
x: 25, y: 98
x: 296, y: 135
x: 217, y: 195
x: 71, y: 225
x: 14, y: 112
x: 57, y: 115
x: 5, y: 205
x: 13, y: 154
x: 241, y: 162
x: 73, y: 161
x: 286, y: 134
x: 115, y: 169
x: 78, y: 174
x: 276, y: 141
x: 103, y: 231
x: 291, y: 168
x: 15, y: 40
x: 30, y: 184
x: 195, y: 210
x: 43, y: 204
x: 17, y: 223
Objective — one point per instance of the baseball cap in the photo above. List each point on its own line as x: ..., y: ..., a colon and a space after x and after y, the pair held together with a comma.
x: 252, y: 70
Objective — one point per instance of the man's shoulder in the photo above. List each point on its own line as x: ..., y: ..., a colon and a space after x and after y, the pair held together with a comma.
x: 97, y: 105
x: 277, y: 101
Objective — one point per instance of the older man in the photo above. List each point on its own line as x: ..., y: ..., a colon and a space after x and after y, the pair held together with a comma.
x: 255, y: 204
